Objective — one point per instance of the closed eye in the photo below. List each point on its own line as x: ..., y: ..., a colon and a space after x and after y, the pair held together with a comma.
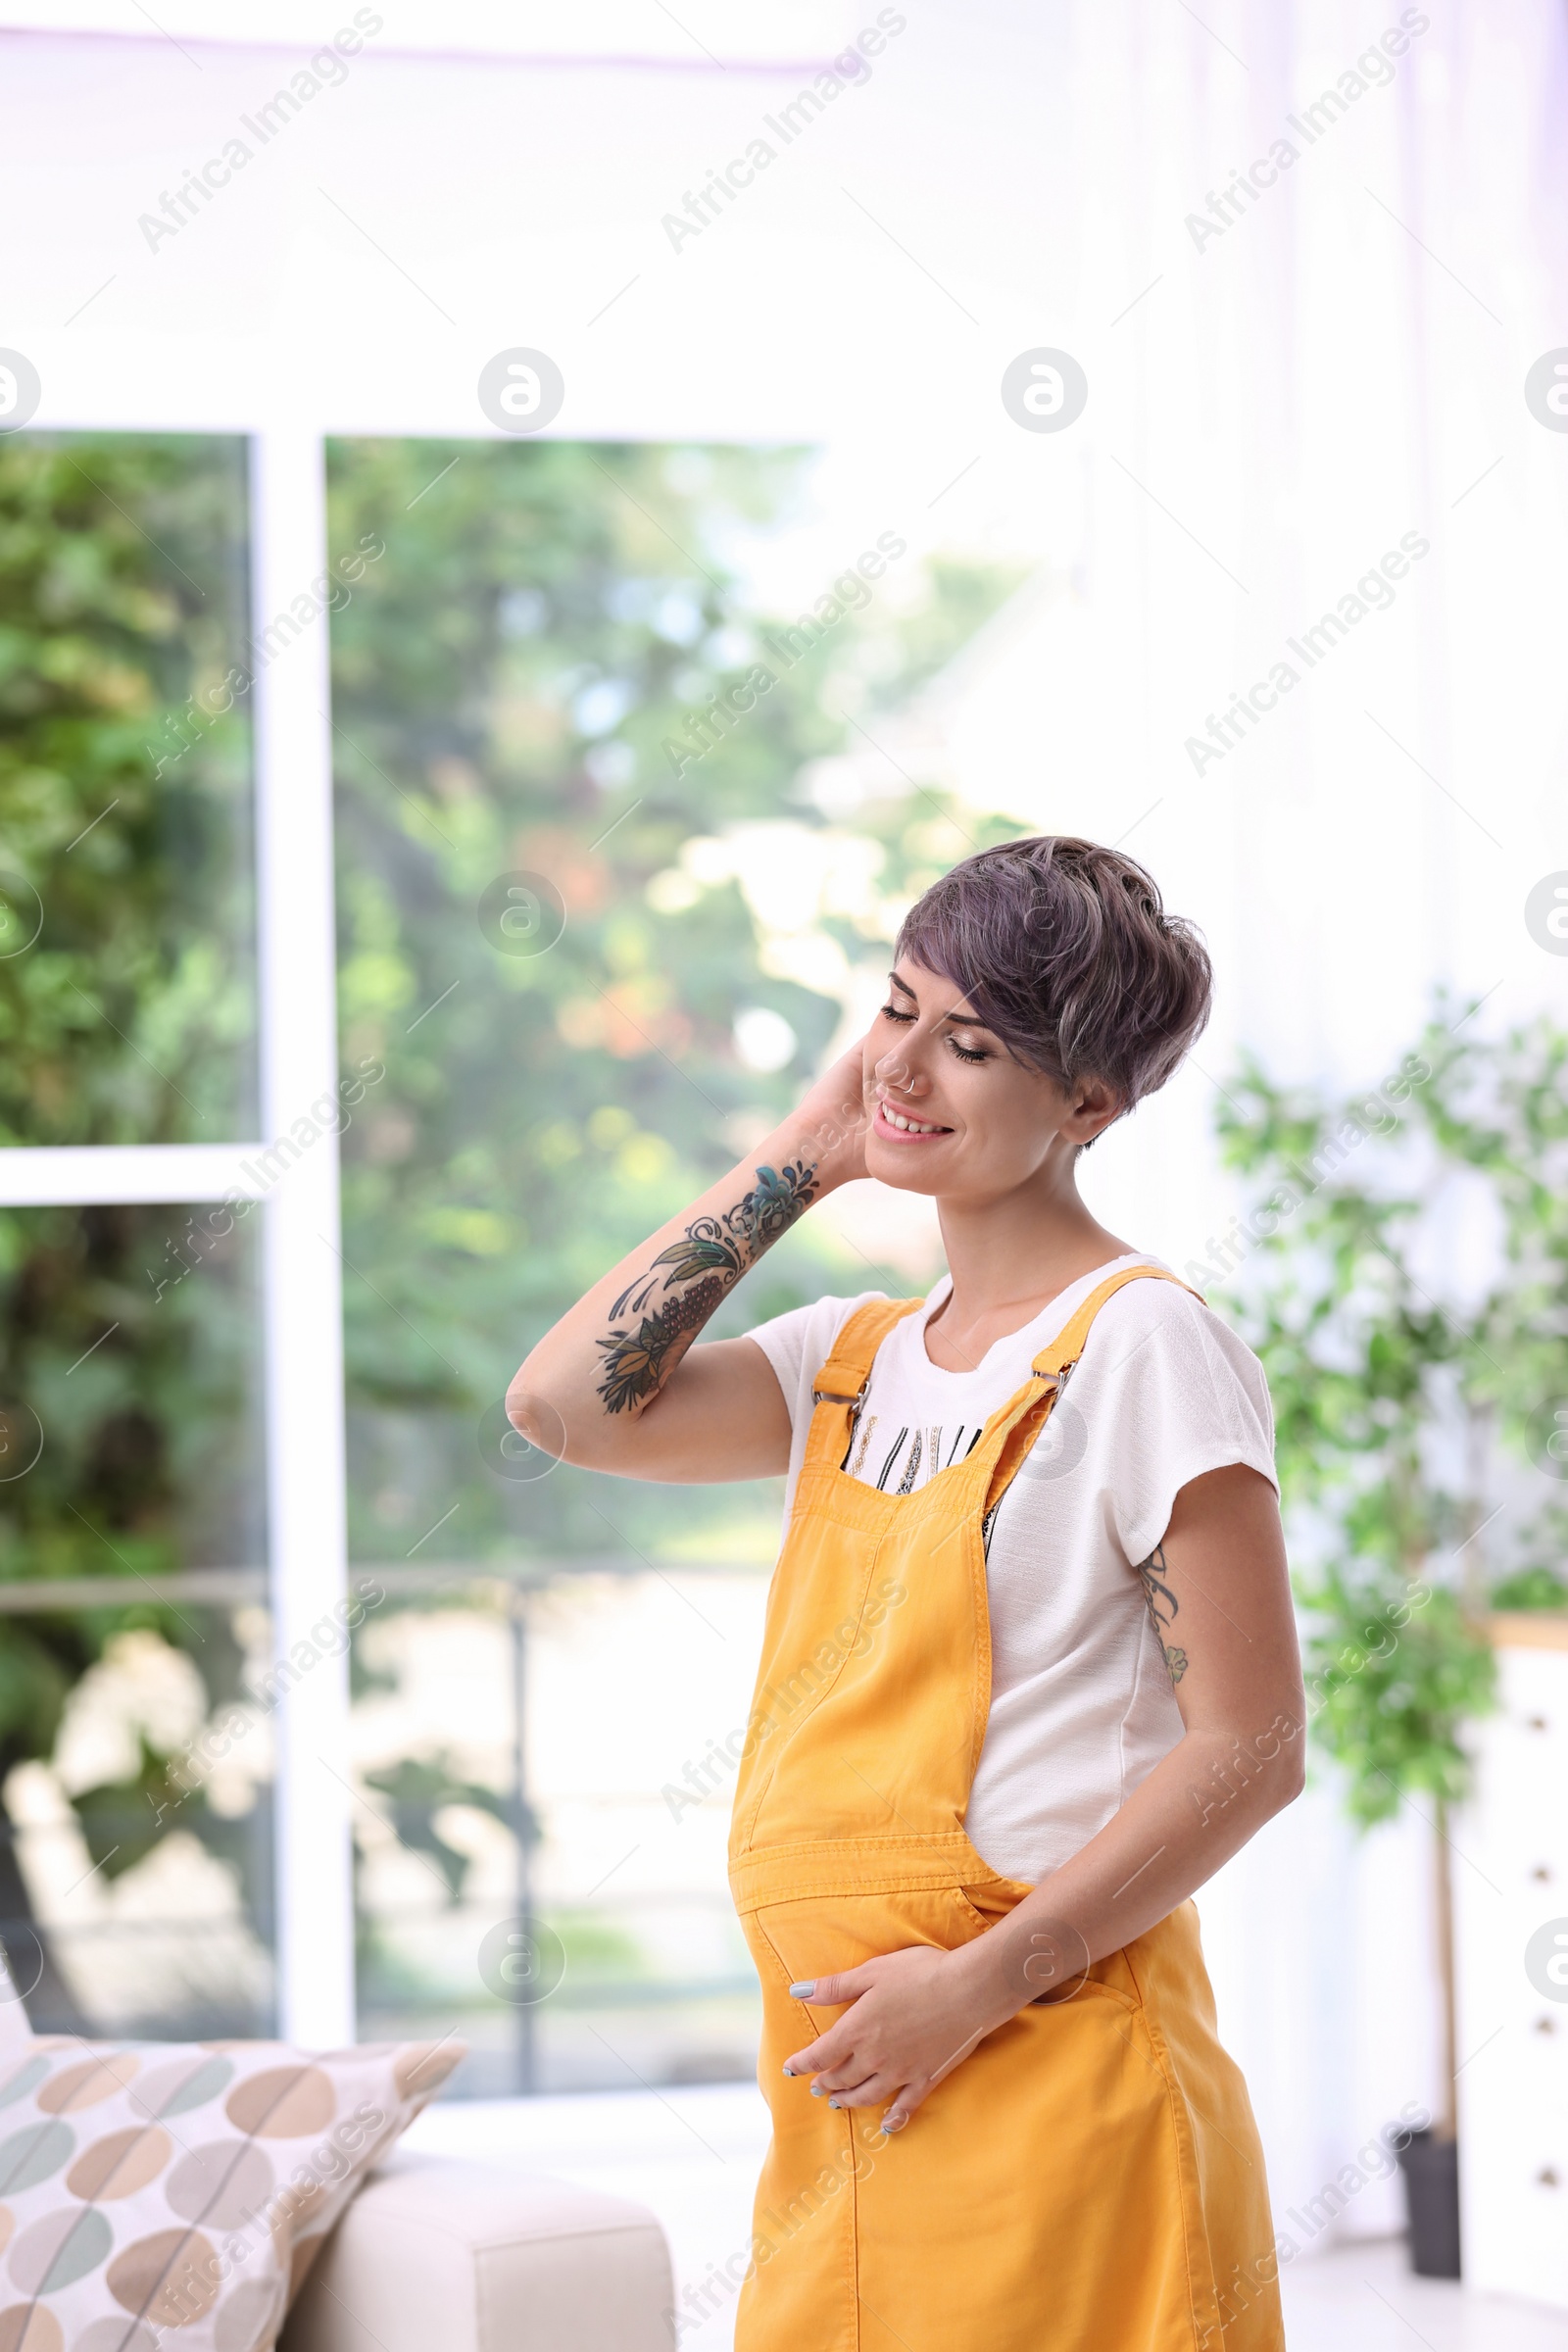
x: 896, y: 1012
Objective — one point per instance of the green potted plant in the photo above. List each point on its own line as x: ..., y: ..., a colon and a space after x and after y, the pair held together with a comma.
x: 1391, y: 1384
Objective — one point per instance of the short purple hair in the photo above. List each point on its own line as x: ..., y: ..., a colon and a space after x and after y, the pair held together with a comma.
x: 1065, y: 950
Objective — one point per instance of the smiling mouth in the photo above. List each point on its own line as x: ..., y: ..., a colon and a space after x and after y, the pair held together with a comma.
x: 907, y: 1129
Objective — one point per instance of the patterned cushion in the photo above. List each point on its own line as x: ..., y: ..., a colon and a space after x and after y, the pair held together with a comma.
x: 166, y: 2193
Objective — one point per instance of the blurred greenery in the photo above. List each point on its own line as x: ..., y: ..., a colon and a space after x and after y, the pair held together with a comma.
x: 505, y: 683
x: 140, y: 1414
x: 508, y: 681
x: 142, y: 1410
x: 1405, y: 1278
x: 128, y: 1015
x: 416, y: 1789
x: 124, y: 812
x: 1531, y: 1588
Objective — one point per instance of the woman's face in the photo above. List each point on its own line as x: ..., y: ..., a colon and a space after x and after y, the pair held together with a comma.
x: 952, y: 1113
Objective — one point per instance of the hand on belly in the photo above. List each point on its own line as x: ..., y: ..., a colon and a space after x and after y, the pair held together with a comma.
x: 913, y: 2015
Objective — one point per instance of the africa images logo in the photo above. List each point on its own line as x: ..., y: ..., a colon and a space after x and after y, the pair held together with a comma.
x: 850, y: 69
x: 327, y: 70
x: 1373, y: 70
x: 1374, y: 592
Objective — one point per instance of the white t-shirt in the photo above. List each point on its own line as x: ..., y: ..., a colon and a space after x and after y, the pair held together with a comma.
x: 1082, y: 1703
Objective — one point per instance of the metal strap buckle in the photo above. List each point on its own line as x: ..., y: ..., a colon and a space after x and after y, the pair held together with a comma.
x: 833, y: 1395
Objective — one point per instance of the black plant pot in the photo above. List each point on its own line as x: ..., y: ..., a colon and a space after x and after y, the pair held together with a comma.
x: 1430, y: 2169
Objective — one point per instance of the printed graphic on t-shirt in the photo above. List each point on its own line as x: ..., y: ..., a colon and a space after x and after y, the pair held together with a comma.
x: 909, y: 1458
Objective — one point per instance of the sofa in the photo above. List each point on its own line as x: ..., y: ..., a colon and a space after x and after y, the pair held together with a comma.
x: 433, y: 2254
x: 438, y: 2254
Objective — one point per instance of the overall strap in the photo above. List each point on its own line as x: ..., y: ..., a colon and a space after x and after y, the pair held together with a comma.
x: 1049, y: 1372
x: 844, y: 1378
x: 1056, y: 1360
x: 840, y: 1385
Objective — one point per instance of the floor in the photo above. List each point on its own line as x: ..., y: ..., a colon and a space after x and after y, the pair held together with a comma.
x: 692, y: 2155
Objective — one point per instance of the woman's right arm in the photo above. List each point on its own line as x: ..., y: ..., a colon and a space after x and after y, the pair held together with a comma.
x: 617, y: 1383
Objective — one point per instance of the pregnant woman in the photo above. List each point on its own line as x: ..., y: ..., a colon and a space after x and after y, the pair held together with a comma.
x: 1030, y: 1670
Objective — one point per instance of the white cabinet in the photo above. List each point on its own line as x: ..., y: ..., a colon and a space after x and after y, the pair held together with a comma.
x: 1510, y: 1884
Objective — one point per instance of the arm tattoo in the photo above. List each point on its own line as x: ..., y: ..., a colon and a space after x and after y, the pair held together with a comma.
x: 1162, y: 1608
x: 707, y: 1261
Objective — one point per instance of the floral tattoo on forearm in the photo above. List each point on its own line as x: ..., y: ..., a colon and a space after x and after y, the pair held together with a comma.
x: 707, y: 1261
x: 1162, y: 1608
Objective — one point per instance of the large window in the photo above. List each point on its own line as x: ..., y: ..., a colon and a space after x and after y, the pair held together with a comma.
x: 304, y: 1647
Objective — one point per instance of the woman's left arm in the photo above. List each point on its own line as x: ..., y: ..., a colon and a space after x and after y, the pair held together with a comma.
x: 1218, y: 1591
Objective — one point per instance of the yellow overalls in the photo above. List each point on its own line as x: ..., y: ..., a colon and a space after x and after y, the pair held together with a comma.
x: 1090, y: 2178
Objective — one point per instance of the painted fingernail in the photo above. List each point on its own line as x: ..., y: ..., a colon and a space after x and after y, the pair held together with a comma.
x: 803, y: 1992
x: 895, y: 2123
x: 790, y: 2071
x: 816, y: 2091
x: 832, y: 2102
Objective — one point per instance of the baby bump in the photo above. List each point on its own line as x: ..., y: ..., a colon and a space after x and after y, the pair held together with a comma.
x: 999, y: 2217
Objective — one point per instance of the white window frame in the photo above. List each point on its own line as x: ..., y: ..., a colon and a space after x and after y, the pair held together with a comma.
x: 302, y: 1327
